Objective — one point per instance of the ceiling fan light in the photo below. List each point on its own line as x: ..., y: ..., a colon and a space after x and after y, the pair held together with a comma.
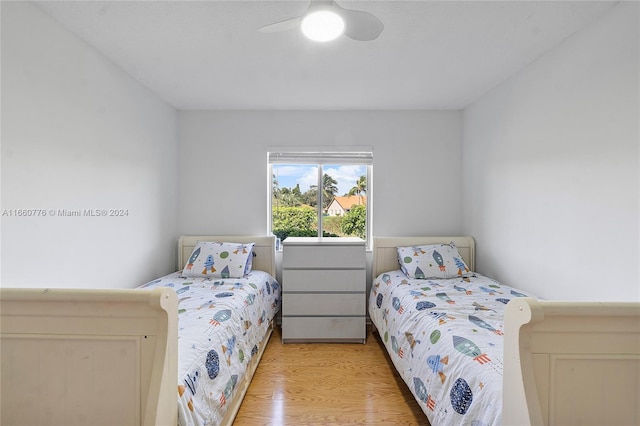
x: 322, y: 25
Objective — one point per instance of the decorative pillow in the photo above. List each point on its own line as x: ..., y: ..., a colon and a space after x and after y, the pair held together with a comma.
x: 219, y: 260
x: 432, y: 261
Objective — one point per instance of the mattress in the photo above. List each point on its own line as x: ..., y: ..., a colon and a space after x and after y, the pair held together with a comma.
x: 445, y: 338
x: 221, y: 323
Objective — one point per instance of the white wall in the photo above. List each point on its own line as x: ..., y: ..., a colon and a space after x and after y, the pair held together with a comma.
x: 549, y: 159
x: 551, y: 183
x: 417, y: 179
x: 79, y: 133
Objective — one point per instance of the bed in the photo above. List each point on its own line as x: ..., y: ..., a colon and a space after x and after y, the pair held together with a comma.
x: 105, y: 357
x: 477, y: 352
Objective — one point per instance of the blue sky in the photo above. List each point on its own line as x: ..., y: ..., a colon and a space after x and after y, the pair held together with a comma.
x: 306, y: 175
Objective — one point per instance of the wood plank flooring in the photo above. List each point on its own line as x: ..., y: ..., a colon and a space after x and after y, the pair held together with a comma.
x: 328, y: 384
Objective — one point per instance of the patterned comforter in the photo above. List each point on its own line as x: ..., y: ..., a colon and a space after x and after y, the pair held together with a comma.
x: 445, y: 338
x: 221, y: 323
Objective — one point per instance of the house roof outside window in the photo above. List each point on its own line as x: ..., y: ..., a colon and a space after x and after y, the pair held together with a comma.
x: 341, y: 205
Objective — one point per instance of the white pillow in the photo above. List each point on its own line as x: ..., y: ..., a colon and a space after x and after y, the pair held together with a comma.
x: 219, y: 260
x: 432, y: 261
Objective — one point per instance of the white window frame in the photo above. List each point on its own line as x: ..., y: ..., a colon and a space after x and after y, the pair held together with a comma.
x: 320, y: 156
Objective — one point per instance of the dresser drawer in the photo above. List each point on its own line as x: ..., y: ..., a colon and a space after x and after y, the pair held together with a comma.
x: 325, y: 256
x: 324, y: 328
x: 335, y: 304
x: 324, y: 289
x: 329, y: 280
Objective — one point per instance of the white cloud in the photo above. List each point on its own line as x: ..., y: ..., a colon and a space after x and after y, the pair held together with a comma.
x: 347, y: 176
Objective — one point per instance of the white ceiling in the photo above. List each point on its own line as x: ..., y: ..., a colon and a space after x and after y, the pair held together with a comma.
x: 431, y: 55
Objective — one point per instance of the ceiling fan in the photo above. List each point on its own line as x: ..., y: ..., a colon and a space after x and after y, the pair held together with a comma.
x: 325, y: 20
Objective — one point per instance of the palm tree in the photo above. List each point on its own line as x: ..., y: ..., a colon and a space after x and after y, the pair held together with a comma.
x: 329, y: 189
x: 275, y: 190
x: 361, y: 186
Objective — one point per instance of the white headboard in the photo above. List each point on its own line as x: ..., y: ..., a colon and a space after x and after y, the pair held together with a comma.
x: 264, y: 249
x: 385, y: 255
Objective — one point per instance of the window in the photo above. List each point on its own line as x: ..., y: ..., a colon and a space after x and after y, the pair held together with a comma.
x: 320, y: 193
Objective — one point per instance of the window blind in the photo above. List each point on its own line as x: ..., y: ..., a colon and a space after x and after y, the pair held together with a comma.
x: 324, y: 157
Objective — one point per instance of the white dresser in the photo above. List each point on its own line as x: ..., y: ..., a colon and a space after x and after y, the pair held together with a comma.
x: 323, y: 290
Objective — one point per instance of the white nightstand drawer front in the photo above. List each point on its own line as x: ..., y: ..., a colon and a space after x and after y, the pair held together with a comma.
x: 323, y: 304
x: 324, y: 280
x: 320, y: 328
x: 346, y: 256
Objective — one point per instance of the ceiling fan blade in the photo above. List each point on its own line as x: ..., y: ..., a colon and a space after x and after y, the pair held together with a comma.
x: 288, y: 24
x: 360, y: 26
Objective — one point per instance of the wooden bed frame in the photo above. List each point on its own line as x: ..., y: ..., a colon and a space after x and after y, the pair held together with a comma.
x: 101, y: 357
x: 571, y: 363
x: 565, y: 363
x: 80, y: 357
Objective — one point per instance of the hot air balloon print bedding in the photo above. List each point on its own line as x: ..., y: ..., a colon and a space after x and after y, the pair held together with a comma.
x: 445, y: 338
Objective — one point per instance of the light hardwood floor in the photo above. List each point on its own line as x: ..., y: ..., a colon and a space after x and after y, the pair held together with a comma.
x: 328, y: 384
